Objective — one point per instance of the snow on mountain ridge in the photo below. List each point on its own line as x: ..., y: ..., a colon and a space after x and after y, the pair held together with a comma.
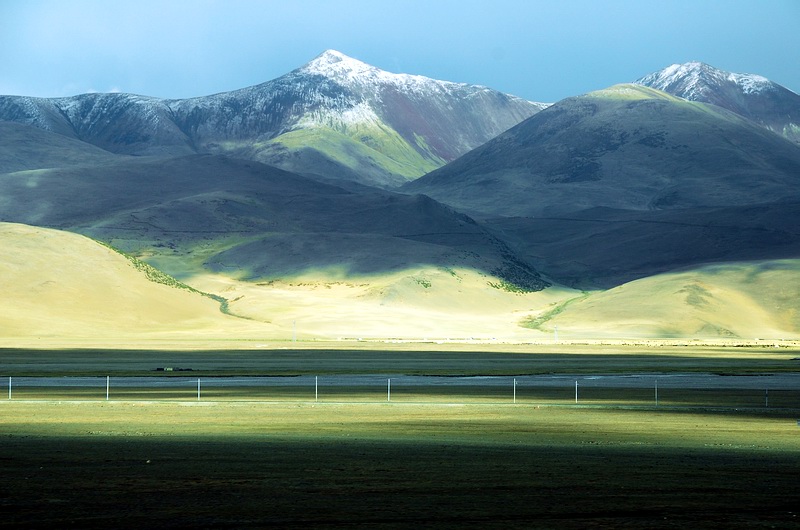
x: 752, y: 83
x: 751, y: 96
x: 340, y: 67
x: 696, y: 79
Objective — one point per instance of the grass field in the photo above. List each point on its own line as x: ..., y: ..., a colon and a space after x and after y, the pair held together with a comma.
x: 441, y: 457
x: 318, y: 358
x: 181, y: 465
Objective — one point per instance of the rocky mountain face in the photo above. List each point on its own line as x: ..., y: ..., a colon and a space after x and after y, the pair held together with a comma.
x: 751, y: 96
x: 335, y: 117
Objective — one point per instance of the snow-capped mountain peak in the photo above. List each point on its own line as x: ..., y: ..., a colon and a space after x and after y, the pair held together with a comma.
x: 694, y: 80
x: 332, y: 63
x: 392, y: 127
x: 751, y: 96
x: 343, y: 69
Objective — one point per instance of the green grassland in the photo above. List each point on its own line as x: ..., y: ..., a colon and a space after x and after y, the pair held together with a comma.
x: 285, y: 358
x: 444, y: 457
x: 239, y: 465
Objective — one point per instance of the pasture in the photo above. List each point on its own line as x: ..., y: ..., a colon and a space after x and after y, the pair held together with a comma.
x: 437, y: 457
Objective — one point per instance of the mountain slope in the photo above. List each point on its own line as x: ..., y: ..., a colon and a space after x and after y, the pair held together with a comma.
x: 734, y: 300
x: 335, y: 117
x: 65, y: 285
x: 203, y: 213
x: 26, y: 147
x: 603, y: 247
x: 751, y: 96
x: 627, y: 147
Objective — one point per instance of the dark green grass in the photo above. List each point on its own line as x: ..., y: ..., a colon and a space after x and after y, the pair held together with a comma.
x: 456, y: 394
x: 250, y: 482
x: 414, y: 359
x: 251, y: 465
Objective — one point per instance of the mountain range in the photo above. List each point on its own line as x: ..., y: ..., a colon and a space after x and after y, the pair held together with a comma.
x: 360, y: 202
x: 333, y: 118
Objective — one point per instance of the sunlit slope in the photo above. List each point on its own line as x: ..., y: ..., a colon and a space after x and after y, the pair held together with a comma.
x: 418, y: 302
x: 59, y: 284
x: 325, y: 153
x: 745, y: 300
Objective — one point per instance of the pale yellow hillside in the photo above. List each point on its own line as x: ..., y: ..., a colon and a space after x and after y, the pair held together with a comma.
x: 745, y: 300
x: 63, y: 289
x: 57, y: 285
x: 422, y: 303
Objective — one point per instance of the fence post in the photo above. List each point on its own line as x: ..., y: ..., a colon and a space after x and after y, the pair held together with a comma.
x: 108, y: 384
x: 576, y: 391
x: 389, y: 389
x: 316, y: 388
x: 9, y: 387
x: 198, y: 389
x: 515, y: 390
x: 656, y: 392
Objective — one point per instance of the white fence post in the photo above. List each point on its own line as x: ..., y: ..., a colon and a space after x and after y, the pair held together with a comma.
x: 656, y: 392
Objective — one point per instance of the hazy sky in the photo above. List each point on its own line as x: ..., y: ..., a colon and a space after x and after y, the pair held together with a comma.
x: 542, y: 51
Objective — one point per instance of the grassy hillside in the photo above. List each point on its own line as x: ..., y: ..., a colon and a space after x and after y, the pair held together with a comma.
x: 422, y: 302
x: 62, y: 288
x: 734, y: 300
x: 63, y: 285
x: 602, y: 248
x: 626, y: 147
x: 374, y: 155
x: 26, y: 147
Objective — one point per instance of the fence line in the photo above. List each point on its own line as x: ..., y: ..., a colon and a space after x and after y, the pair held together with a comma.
x: 778, y: 391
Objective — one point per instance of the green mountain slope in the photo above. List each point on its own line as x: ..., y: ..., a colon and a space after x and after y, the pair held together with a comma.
x: 627, y: 147
x: 195, y: 214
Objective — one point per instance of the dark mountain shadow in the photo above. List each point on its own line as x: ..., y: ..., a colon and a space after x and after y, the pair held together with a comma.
x: 254, y: 221
x: 604, y: 247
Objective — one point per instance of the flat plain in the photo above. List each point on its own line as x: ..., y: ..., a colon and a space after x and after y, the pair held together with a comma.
x: 445, y: 461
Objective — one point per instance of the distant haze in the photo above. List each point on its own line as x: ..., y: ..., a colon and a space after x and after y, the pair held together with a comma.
x: 541, y: 51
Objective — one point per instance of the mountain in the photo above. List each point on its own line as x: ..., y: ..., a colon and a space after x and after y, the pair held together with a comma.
x: 626, y: 212
x: 278, y: 249
x: 28, y: 147
x: 335, y: 118
x: 751, y: 96
x: 626, y: 147
x: 601, y: 248
x: 207, y: 213
x: 629, y: 182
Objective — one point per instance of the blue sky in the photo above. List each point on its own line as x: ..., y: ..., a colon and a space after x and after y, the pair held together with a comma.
x: 542, y: 51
